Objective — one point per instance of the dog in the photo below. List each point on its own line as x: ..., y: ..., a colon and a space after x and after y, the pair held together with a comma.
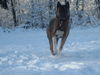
x: 59, y: 28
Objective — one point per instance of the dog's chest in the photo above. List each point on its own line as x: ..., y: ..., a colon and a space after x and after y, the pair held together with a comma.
x: 59, y: 33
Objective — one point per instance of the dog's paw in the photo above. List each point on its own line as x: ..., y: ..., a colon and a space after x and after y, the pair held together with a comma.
x: 59, y: 53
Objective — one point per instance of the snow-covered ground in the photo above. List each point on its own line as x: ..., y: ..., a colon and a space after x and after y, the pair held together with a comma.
x: 26, y: 52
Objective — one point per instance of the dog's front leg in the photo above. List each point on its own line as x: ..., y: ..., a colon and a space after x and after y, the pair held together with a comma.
x: 51, y: 45
x: 62, y: 44
x: 54, y: 44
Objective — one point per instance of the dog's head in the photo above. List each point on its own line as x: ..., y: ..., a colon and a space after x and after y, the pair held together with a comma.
x: 62, y: 11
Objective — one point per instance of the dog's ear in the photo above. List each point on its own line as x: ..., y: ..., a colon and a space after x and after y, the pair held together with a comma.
x: 58, y: 4
x: 65, y: 1
x: 67, y: 4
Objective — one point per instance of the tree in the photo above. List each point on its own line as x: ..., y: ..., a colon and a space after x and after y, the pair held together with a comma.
x: 98, y: 8
x: 50, y: 8
x: 4, y: 4
x: 14, y: 12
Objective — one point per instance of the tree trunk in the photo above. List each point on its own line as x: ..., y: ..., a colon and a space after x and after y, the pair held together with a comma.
x: 50, y: 8
x: 19, y: 12
x: 14, y: 12
x: 98, y: 8
x: 77, y: 5
x: 4, y: 4
x: 82, y: 5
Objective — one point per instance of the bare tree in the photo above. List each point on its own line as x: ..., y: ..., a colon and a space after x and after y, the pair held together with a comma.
x: 14, y: 12
x: 4, y: 4
x: 79, y: 8
x: 98, y: 8
x: 50, y: 8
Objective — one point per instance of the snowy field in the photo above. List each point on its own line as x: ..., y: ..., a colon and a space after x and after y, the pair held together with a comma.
x: 26, y: 52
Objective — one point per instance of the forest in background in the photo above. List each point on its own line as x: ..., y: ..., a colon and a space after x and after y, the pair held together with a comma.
x: 24, y: 47
x: 37, y: 13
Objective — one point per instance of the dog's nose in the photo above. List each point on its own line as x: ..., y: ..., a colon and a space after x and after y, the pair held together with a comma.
x: 62, y: 19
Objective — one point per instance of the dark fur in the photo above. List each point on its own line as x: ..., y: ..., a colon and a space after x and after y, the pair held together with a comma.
x: 60, y: 22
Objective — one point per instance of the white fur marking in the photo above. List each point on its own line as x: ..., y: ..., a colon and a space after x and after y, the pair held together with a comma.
x: 59, y: 33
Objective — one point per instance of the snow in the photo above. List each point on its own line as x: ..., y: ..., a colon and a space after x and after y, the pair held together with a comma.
x: 26, y: 52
